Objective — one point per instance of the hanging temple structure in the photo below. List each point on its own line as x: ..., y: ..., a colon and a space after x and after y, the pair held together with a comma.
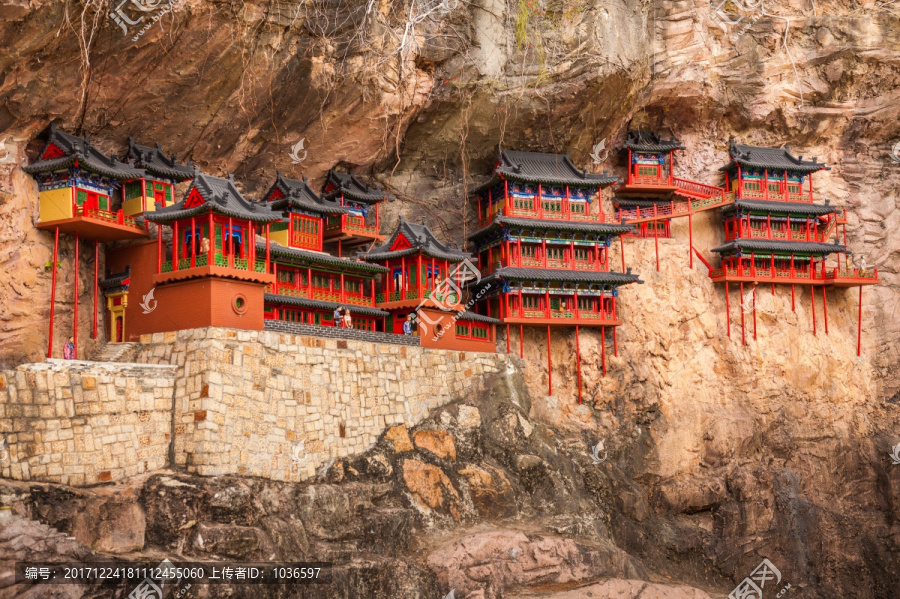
x: 540, y: 256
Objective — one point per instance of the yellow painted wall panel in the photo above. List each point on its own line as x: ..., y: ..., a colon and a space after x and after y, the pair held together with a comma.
x: 55, y: 204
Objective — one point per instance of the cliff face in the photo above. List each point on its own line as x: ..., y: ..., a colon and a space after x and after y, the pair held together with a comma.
x: 776, y: 449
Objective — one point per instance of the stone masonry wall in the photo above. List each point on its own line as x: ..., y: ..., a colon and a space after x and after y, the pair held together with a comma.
x: 80, y: 423
x: 282, y: 406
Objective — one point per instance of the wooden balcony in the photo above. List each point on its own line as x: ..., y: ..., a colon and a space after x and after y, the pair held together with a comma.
x: 445, y: 298
x: 560, y: 317
x: 351, y: 229
x: 815, y: 276
x: 102, y: 225
x: 549, y: 209
x: 780, y: 196
x: 319, y: 294
x: 813, y: 235
x: 224, y: 266
x: 673, y: 209
x: 644, y: 184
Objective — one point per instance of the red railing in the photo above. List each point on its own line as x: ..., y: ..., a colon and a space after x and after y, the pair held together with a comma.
x: 548, y: 209
x: 300, y: 239
x: 792, y: 235
x: 533, y: 313
x: 355, y: 224
x: 645, y: 180
x: 778, y: 196
x: 117, y: 218
x: 696, y: 189
x: 673, y: 209
x: 820, y: 273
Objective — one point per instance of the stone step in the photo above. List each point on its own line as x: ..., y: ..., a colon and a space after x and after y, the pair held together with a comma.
x: 116, y: 352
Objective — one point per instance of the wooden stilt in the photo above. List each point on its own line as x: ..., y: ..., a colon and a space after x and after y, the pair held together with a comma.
x: 691, y: 237
x: 603, y: 348
x: 743, y: 309
x: 578, y: 362
x: 812, y: 299
x: 75, y: 306
x: 96, y: 283
x: 825, y: 308
x: 53, y: 292
x: 549, y: 365
x: 754, y: 312
x: 859, y: 326
x: 615, y: 343
x: 522, y: 341
x: 622, y: 244
x: 727, y: 312
x: 793, y: 302
x: 656, y: 243
x: 507, y: 337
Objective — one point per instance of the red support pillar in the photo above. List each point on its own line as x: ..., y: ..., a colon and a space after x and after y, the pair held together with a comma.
x: 96, y: 283
x: 691, y: 237
x: 812, y: 298
x: 754, y: 312
x: 75, y: 307
x: 793, y: 303
x: 175, y: 247
x: 603, y: 348
x: 727, y: 312
x: 578, y: 362
x: 549, y: 365
x: 859, y: 326
x: 615, y: 343
x: 53, y: 292
x: 521, y: 338
x: 825, y: 308
x: 159, y: 248
x: 743, y: 309
x: 656, y: 241
x: 268, y: 254
x: 622, y: 244
x: 507, y: 337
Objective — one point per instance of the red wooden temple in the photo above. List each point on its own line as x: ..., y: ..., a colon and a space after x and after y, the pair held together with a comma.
x: 361, y: 223
x: 80, y: 193
x: 776, y: 234
x: 543, y: 249
x: 652, y: 195
x: 424, y: 281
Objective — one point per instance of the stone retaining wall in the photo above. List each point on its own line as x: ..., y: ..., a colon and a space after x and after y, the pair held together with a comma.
x: 312, y: 330
x: 80, y: 423
x: 282, y: 406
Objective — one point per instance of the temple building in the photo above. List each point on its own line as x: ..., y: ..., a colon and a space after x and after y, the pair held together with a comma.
x: 80, y: 191
x: 209, y: 272
x: 304, y: 213
x: 543, y: 248
x: 652, y: 195
x: 424, y: 283
x: 361, y: 223
x: 775, y: 234
x: 161, y: 174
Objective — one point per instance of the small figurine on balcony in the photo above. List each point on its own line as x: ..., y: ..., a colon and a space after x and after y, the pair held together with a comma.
x: 204, y: 245
x: 862, y: 266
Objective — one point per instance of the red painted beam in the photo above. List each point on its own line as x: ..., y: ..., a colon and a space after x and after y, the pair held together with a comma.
x: 53, y: 293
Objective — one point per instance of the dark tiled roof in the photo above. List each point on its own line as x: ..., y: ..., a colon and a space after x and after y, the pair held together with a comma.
x: 155, y: 161
x: 298, y: 194
x: 116, y: 281
x: 781, y: 207
x: 351, y: 187
x: 554, y: 225
x: 773, y: 158
x: 271, y: 298
x: 220, y: 196
x: 421, y: 239
x: 88, y: 157
x: 477, y: 317
x: 647, y: 141
x: 761, y: 245
x: 538, y: 167
x: 515, y: 273
x: 303, y: 257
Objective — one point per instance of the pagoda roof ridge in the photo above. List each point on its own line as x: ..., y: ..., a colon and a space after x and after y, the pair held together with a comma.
x: 522, y: 273
x: 543, y: 167
x: 556, y: 225
x: 219, y: 195
x: 650, y: 141
x: 277, y: 249
x: 298, y: 193
x: 421, y: 239
x: 87, y: 155
x: 351, y: 186
x: 766, y: 158
x: 154, y: 161
x: 765, y: 245
x: 779, y: 206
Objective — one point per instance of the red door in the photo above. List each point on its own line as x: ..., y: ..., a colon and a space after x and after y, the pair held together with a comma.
x: 119, y: 332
